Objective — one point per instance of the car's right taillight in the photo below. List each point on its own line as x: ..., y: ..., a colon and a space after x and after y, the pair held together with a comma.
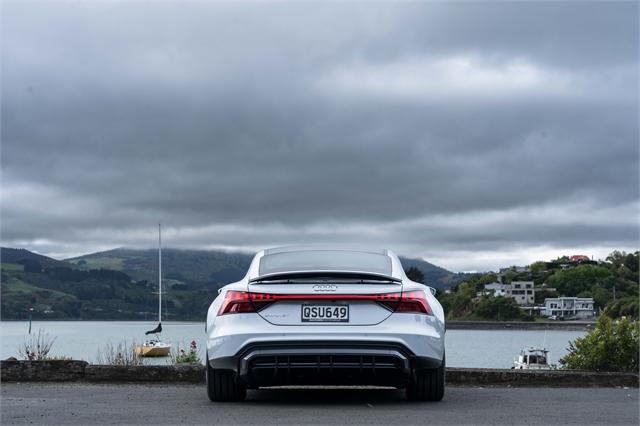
x: 414, y: 301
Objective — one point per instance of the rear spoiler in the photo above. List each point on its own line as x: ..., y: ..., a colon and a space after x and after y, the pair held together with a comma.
x: 292, y: 275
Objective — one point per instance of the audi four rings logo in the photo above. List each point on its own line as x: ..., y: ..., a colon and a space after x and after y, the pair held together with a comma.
x: 325, y: 287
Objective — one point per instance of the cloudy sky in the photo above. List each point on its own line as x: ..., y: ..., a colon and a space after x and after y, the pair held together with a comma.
x: 473, y: 134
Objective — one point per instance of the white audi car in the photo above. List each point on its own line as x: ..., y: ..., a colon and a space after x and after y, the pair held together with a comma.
x: 310, y: 316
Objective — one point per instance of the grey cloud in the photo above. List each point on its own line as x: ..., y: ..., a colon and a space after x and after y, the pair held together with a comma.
x: 219, y: 118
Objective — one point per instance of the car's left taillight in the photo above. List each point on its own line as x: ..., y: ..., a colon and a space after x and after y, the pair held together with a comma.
x: 241, y: 302
x: 236, y: 302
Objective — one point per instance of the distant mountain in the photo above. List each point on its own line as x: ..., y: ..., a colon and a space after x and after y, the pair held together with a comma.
x: 22, y: 257
x: 435, y: 276
x: 58, y: 290
x: 197, y: 268
x: 122, y: 283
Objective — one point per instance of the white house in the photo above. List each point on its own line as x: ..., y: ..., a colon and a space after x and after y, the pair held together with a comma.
x: 569, y: 307
x: 498, y: 289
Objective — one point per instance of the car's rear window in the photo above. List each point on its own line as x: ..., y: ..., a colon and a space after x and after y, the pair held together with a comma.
x: 325, y: 260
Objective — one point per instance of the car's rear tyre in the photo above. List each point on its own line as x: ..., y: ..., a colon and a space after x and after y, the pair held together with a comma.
x: 427, y: 385
x: 223, y: 385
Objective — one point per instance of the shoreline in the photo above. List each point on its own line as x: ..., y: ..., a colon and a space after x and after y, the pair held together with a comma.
x: 518, y: 325
x: 451, y: 324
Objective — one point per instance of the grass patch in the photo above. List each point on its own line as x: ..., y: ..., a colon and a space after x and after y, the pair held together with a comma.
x: 114, y: 263
x: 15, y: 285
x: 12, y: 267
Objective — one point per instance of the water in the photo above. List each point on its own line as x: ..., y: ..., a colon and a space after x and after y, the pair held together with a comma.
x: 83, y: 339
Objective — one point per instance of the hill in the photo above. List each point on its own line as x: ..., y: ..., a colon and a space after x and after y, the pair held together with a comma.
x: 25, y: 257
x: 435, y: 276
x: 121, y: 283
x: 194, y: 268
x: 201, y: 268
x: 58, y: 290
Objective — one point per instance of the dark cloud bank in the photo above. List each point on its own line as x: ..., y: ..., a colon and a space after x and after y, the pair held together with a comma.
x: 473, y: 134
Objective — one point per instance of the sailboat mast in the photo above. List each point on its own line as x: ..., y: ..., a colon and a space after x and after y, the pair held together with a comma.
x: 159, y: 274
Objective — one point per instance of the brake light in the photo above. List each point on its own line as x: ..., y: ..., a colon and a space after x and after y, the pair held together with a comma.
x: 236, y: 302
x: 414, y: 301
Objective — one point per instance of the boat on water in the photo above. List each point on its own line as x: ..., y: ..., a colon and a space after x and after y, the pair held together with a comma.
x: 532, y: 359
x: 155, y: 347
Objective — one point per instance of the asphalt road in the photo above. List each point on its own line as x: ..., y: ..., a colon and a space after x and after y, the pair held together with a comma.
x: 89, y: 404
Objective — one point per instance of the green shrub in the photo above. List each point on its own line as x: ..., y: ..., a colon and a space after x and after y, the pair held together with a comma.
x: 190, y: 357
x: 626, y: 306
x: 610, y: 346
x: 498, y: 308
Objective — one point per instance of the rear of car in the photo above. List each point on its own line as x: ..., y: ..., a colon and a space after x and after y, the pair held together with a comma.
x: 308, y: 316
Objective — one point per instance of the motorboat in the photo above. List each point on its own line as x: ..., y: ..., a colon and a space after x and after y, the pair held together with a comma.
x: 532, y: 359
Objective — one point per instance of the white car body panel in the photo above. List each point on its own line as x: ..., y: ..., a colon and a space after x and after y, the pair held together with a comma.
x: 422, y: 335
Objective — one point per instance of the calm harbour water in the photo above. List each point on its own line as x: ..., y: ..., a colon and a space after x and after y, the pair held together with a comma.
x: 465, y: 348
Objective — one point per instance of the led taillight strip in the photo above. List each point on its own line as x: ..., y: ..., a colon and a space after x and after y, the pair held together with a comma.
x: 243, y: 302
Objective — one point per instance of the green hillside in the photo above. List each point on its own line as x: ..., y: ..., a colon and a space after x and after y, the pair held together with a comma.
x: 61, y: 290
x: 200, y: 268
x: 195, y: 268
x: 122, y: 283
x: 25, y: 257
x: 435, y: 276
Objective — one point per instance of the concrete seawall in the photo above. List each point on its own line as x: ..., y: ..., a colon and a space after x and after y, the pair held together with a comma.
x: 518, y: 325
x: 81, y: 371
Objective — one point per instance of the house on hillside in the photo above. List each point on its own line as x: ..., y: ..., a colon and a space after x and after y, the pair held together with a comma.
x: 522, y: 292
x: 569, y: 307
x: 497, y: 289
x: 579, y: 258
x: 518, y: 269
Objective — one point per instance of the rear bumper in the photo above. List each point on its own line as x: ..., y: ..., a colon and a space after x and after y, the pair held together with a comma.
x: 337, y: 362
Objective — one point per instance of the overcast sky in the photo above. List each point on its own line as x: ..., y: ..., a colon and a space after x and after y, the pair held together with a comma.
x: 472, y: 134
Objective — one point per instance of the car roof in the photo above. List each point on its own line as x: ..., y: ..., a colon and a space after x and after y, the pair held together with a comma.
x: 254, y: 269
x: 310, y: 247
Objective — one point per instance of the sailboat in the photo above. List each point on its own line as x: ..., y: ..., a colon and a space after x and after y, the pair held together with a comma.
x: 155, y: 347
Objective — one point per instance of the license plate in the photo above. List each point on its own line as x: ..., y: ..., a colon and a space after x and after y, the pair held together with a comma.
x: 325, y: 313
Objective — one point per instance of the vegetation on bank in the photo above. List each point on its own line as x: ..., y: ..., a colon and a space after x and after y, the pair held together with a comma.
x: 613, y: 284
x: 182, y: 356
x: 611, y: 346
x: 36, y: 347
x: 122, y: 353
